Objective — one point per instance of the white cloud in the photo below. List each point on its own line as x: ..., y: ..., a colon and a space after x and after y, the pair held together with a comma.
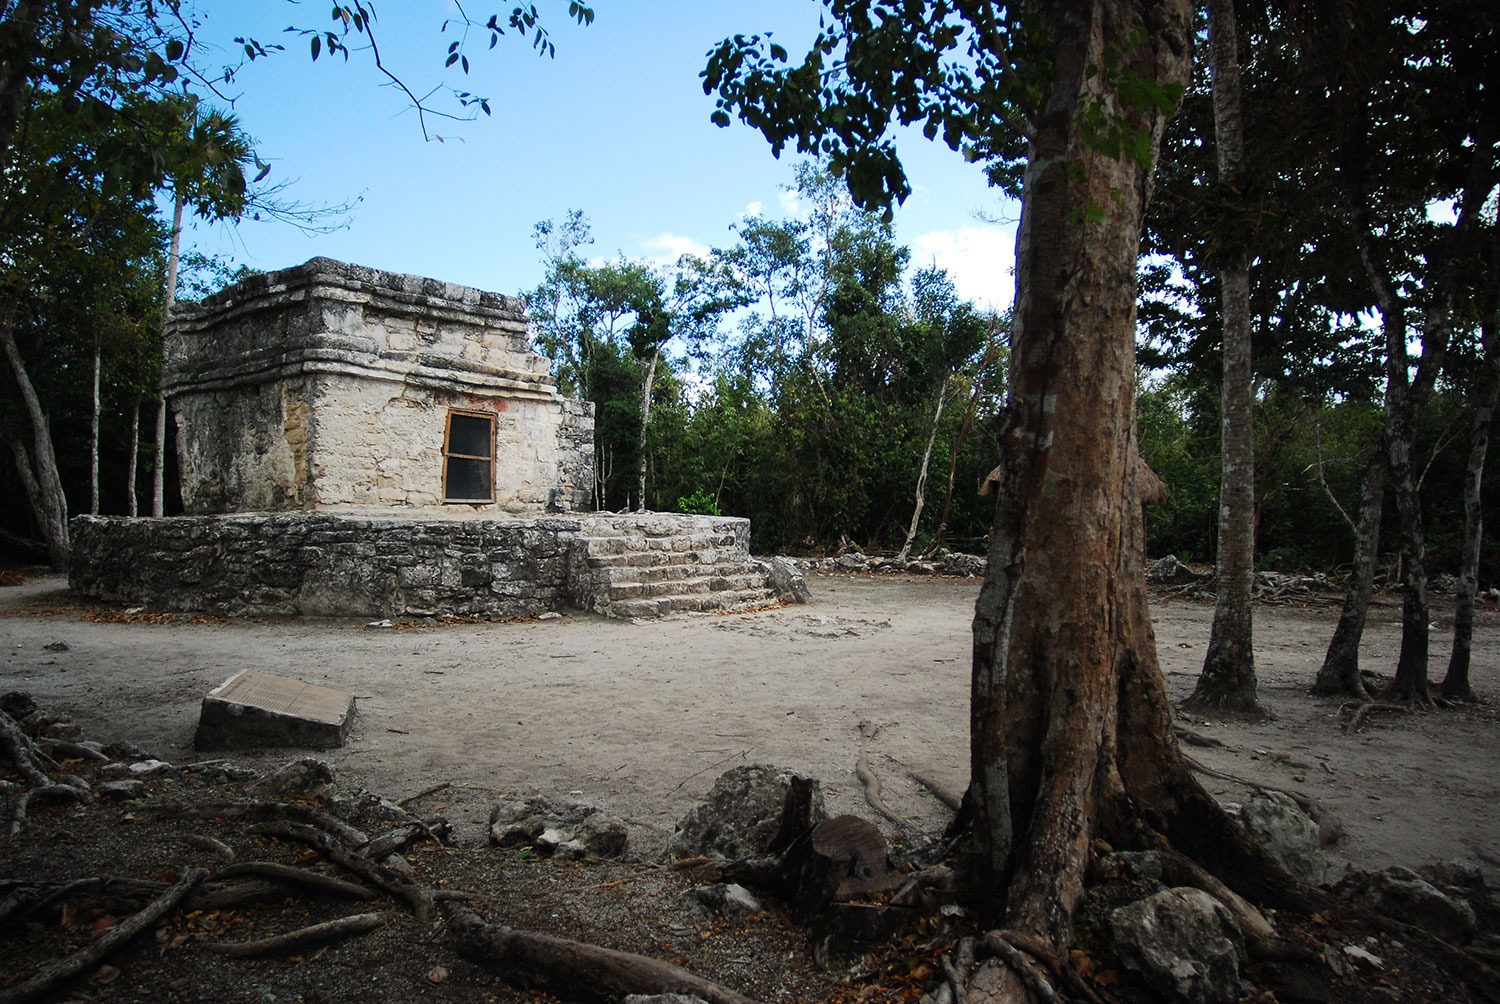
x: 980, y: 261
x: 791, y: 203
x: 665, y: 248
x: 754, y: 209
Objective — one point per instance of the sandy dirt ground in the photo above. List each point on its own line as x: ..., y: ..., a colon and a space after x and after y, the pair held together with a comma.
x: 641, y: 718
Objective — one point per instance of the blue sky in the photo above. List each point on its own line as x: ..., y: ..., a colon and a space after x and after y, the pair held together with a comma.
x: 616, y: 125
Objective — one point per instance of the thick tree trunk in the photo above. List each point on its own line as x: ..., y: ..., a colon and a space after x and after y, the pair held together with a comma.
x: 1340, y: 671
x: 921, y: 492
x: 1456, y: 683
x: 39, y: 473
x: 1228, y: 682
x: 1071, y: 731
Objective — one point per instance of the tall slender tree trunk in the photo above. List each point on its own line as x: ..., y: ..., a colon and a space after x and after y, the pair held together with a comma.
x: 646, y: 387
x: 1456, y: 683
x: 132, y: 500
x: 94, y: 435
x: 1071, y: 730
x: 921, y: 492
x: 169, y: 299
x: 958, y: 441
x: 1340, y: 671
x: 1227, y: 682
x: 38, y: 468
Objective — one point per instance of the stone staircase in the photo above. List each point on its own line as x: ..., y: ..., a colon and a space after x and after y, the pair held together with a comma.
x: 642, y: 565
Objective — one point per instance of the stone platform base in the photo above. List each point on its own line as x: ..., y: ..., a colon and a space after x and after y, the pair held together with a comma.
x: 336, y: 565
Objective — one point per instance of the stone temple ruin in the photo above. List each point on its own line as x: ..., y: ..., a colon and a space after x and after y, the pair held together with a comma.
x: 357, y: 442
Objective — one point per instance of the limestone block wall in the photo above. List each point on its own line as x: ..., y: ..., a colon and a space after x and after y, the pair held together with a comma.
x: 329, y: 385
x: 324, y: 565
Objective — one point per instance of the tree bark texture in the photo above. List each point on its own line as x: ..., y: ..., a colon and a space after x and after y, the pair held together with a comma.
x: 1071, y: 729
x: 1340, y: 671
x: 44, y: 483
x: 1456, y: 682
x: 1227, y: 682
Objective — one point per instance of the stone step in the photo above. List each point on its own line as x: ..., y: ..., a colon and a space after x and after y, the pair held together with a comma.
x: 665, y: 571
x: 662, y: 606
x: 625, y: 544
x: 687, y: 586
x: 657, y: 525
x: 660, y: 559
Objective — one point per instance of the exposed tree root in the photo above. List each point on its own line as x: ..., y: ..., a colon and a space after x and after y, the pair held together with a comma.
x: 212, y: 845
x: 36, y: 783
x: 385, y: 877
x: 299, y: 876
x: 26, y: 898
x: 295, y: 941
x: 573, y: 969
x: 867, y: 731
x: 265, y: 812
x: 938, y: 790
x: 1360, y: 713
x: 52, y: 976
x: 431, y: 790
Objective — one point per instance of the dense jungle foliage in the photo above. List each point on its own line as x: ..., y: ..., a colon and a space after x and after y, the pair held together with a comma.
x: 804, y: 373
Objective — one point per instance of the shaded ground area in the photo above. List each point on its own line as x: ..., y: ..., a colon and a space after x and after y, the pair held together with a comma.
x: 641, y: 718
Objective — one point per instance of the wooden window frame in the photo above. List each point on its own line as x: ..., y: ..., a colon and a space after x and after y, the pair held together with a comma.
x: 489, y: 418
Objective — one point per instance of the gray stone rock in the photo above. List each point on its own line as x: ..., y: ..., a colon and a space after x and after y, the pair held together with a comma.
x: 126, y: 751
x: 663, y: 999
x: 1184, y: 943
x: 963, y: 564
x: 308, y: 777
x: 151, y: 768
x: 787, y: 580
x: 730, y: 900
x: 1403, y: 894
x: 1169, y: 571
x: 1288, y: 833
x: 122, y: 791
x: 742, y: 813
x: 563, y: 830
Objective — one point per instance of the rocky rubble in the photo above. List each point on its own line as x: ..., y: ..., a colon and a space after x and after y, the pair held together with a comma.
x: 852, y: 559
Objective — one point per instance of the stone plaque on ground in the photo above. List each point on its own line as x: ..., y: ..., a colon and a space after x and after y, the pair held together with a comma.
x: 258, y: 709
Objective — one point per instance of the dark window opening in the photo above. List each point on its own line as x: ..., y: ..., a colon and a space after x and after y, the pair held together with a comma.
x: 469, y: 458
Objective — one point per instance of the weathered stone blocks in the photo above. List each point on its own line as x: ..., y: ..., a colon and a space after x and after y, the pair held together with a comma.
x: 258, y: 709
